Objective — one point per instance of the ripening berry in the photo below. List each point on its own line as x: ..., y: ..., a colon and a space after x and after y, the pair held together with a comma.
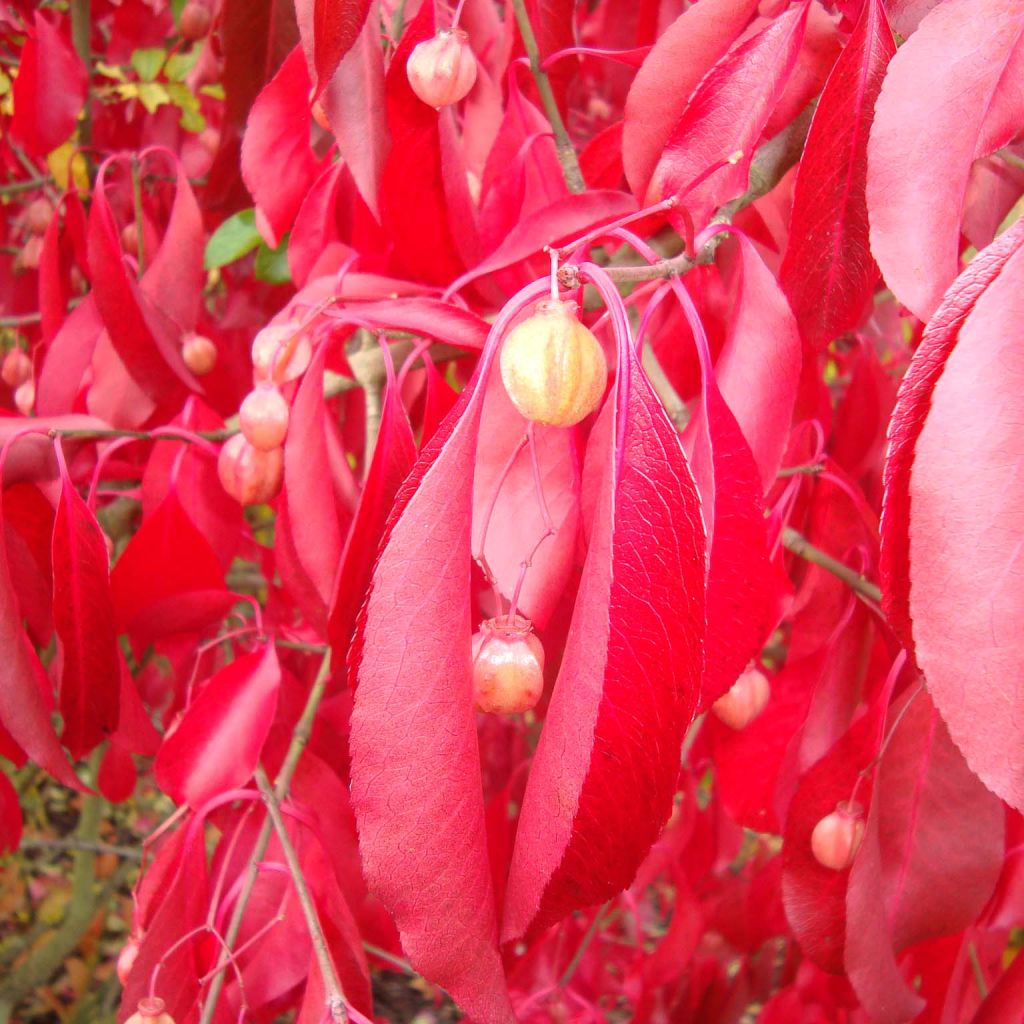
x: 195, y: 21
x: 250, y: 476
x: 130, y: 238
x: 280, y: 352
x: 263, y: 417
x: 17, y: 368
x: 31, y: 253
x: 442, y: 70
x: 320, y: 115
x: 151, y: 1010
x: 744, y: 701
x: 553, y: 368
x: 25, y: 397
x: 38, y: 216
x: 199, y: 353
x: 129, y: 952
x: 508, y: 666
x: 837, y: 837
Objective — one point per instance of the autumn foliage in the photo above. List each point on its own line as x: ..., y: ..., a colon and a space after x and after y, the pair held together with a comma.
x: 512, y: 503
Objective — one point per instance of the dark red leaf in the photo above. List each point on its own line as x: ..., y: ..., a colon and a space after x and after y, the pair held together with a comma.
x: 10, y: 815
x: 217, y: 742
x: 117, y: 775
x: 393, y: 458
x: 23, y: 710
x: 828, y: 272
x: 83, y: 615
x: 949, y: 97
x: 329, y: 30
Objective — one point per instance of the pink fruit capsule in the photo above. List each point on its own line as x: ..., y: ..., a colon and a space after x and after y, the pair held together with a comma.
x: 508, y: 666
x: 442, y: 70
x: 744, y: 701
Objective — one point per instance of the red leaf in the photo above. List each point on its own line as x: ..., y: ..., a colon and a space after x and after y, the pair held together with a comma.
x: 912, y: 408
x: 23, y: 711
x: 928, y: 874
x: 312, y: 518
x: 50, y: 89
x: 329, y: 30
x: 10, y: 815
x: 555, y: 224
x: 758, y: 368
x: 949, y: 97
x: 725, y: 117
x: 828, y: 271
x: 601, y: 783
x: 167, y: 565
x: 414, y: 207
x: 965, y: 563
x: 278, y: 164
x: 68, y: 356
x: 684, y: 53
x: 393, y: 458
x: 146, y: 339
x: 117, y: 775
x: 216, y: 745
x: 83, y: 615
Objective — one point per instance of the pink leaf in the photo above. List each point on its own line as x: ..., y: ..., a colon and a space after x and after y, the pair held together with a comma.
x: 49, y: 91
x: 329, y: 30
x: 951, y: 90
x: 724, y: 120
x: 216, y: 745
x: 67, y: 358
x: 965, y: 562
x: 684, y: 53
x: 912, y: 407
x: 83, y: 615
x: 278, y: 164
x: 828, y: 271
x: 930, y: 876
x: 601, y: 784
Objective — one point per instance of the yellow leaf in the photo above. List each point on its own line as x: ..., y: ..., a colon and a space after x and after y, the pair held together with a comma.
x: 65, y: 159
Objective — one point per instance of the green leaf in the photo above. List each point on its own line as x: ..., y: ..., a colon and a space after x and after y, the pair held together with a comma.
x: 235, y: 238
x: 180, y: 64
x: 272, y: 264
x: 182, y: 97
x: 148, y: 62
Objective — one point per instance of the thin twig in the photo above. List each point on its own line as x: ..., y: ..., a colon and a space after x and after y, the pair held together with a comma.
x: 124, y: 852
x: 12, y: 188
x: 563, y: 144
x: 335, y: 995
x: 809, y: 469
x: 300, y: 737
x: 799, y: 545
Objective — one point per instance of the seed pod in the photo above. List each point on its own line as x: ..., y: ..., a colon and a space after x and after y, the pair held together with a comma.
x: 508, y: 666
x: 744, y: 701
x: 280, y: 352
x: 442, y: 70
x: 25, y: 397
x: 17, y: 368
x: 31, y: 253
x: 320, y: 115
x: 250, y: 476
x: 128, y: 955
x: 195, y: 21
x: 553, y: 368
x: 263, y: 417
x: 38, y: 216
x: 151, y: 1010
x: 199, y: 353
x: 130, y: 238
x: 837, y: 837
